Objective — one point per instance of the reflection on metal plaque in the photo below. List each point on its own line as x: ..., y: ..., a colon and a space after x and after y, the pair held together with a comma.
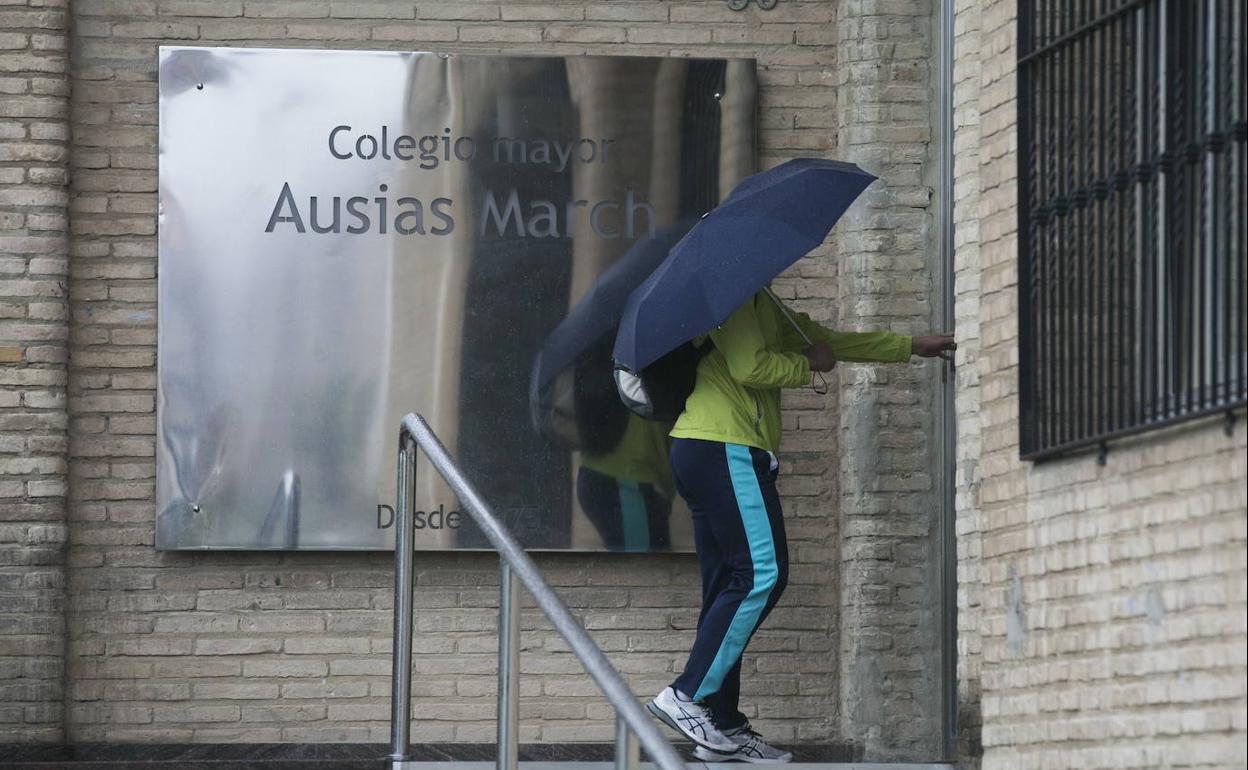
x: 348, y: 236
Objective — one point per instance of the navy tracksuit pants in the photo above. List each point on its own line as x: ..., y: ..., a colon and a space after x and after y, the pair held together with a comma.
x: 738, y: 530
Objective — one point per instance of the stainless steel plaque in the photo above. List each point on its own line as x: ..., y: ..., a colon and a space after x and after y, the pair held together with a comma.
x: 346, y: 236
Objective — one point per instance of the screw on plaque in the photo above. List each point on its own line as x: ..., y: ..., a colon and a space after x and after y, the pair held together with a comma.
x: 195, y: 508
x: 199, y: 86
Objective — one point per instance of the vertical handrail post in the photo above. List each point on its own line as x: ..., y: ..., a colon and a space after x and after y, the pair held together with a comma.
x: 404, y: 578
x: 508, y: 667
x: 627, y: 751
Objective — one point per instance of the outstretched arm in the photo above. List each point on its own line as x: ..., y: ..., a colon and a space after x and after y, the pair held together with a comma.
x: 847, y: 346
x: 750, y: 363
x: 866, y: 346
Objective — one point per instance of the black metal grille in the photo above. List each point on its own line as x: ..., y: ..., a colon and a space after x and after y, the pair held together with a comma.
x: 1132, y: 244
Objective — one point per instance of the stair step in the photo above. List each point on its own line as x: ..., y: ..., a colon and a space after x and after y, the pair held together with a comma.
x: 362, y: 756
x: 651, y: 766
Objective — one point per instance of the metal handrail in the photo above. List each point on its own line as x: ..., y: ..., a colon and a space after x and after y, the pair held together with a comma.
x: 632, y: 722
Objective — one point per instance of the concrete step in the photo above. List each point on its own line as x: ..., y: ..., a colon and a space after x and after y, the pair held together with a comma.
x: 692, y: 765
x: 361, y: 756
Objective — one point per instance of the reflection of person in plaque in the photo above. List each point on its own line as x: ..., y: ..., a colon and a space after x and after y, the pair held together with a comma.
x: 624, y: 484
x: 626, y: 491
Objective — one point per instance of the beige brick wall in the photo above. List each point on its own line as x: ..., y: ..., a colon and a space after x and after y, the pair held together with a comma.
x: 34, y: 134
x: 294, y: 647
x: 1103, y: 608
x: 889, y: 514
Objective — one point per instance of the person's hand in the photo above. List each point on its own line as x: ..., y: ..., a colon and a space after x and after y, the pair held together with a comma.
x: 934, y: 346
x: 820, y: 357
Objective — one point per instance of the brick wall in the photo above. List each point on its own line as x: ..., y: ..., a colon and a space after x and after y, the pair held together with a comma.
x: 34, y: 112
x: 295, y: 647
x: 889, y: 513
x: 1102, y: 607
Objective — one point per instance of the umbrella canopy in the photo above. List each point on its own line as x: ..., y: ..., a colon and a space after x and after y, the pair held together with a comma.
x: 771, y: 220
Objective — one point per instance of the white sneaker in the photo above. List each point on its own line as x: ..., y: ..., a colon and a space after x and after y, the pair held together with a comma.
x: 692, y: 720
x: 750, y: 748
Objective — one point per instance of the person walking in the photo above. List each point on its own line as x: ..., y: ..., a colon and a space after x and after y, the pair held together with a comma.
x: 724, y: 465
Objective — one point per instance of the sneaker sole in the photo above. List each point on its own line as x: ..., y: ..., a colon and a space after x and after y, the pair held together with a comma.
x: 662, y: 716
x: 734, y: 757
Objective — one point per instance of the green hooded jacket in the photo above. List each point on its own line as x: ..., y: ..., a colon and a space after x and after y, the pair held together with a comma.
x: 736, y: 399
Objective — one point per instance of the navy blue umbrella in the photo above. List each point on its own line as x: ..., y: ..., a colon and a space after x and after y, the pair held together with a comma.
x: 771, y: 220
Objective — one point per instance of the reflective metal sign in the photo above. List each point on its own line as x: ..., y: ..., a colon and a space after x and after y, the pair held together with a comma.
x: 347, y: 236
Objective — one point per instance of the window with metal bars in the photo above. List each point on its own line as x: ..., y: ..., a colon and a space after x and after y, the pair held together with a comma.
x: 1131, y: 226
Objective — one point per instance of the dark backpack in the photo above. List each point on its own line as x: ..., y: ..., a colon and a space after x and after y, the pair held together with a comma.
x: 660, y: 390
